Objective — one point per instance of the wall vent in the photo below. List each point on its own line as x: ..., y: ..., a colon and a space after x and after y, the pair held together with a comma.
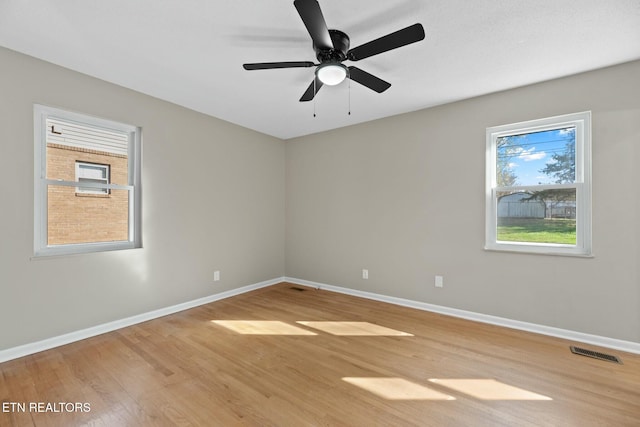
x: 595, y: 354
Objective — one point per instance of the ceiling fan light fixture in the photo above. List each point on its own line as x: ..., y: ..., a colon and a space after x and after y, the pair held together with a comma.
x: 331, y: 74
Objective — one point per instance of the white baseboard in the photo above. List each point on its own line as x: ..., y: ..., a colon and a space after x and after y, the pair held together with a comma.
x: 46, y: 344
x: 628, y: 346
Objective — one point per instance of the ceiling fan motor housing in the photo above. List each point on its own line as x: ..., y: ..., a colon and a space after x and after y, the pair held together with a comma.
x: 340, y: 48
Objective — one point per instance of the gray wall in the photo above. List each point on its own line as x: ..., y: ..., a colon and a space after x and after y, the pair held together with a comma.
x: 404, y: 198
x: 213, y: 199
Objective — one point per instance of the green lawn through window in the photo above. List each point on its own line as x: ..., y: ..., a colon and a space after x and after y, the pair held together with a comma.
x: 537, y: 230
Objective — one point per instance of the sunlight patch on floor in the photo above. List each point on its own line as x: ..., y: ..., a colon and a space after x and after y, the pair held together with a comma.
x: 489, y: 389
x: 262, y: 327
x: 396, y: 389
x: 354, y: 329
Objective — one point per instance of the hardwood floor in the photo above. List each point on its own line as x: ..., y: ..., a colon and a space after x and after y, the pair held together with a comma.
x: 247, y: 360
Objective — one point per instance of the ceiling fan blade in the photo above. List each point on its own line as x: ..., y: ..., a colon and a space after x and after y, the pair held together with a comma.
x: 309, y: 94
x: 271, y: 65
x: 311, y: 14
x: 368, y: 80
x: 411, y: 34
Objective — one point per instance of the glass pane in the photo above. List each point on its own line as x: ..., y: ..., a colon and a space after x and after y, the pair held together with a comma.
x: 90, y: 189
x: 69, y: 143
x: 547, y: 157
x: 93, y: 171
x: 86, y: 218
x: 547, y: 216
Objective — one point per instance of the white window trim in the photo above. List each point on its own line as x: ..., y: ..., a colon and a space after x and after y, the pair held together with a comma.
x: 582, y: 123
x: 87, y: 190
x: 41, y: 183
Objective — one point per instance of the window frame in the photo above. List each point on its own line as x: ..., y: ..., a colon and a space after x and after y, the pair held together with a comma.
x: 82, y: 190
x: 41, y: 183
x: 582, y: 185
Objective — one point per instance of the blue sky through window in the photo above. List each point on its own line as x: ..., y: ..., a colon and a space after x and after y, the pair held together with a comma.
x: 525, y: 156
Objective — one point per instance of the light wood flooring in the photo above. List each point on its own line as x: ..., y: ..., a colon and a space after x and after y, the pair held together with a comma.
x: 283, y: 357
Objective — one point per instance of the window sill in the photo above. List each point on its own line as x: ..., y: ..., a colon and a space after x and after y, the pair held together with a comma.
x: 60, y: 251
x: 96, y: 196
x: 538, y: 250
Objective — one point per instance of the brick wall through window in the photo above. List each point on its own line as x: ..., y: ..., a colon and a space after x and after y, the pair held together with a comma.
x: 75, y: 217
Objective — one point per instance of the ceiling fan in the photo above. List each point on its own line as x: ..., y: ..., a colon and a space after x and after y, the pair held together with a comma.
x: 332, y: 48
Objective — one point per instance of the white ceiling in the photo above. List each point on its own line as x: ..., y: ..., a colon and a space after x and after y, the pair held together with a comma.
x: 191, y: 52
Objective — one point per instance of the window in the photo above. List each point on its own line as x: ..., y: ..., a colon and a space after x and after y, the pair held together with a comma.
x: 88, y: 172
x: 538, y: 196
x: 87, y: 183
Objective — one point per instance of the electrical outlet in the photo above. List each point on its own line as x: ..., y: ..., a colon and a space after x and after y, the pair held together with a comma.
x: 439, y: 282
x: 216, y: 276
x: 365, y: 274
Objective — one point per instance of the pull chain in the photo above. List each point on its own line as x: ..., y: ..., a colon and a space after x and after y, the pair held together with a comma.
x: 349, y: 95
